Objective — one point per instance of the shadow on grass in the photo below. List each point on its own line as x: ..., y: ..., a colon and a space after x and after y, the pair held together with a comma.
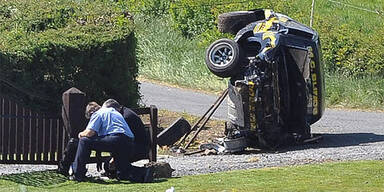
x: 160, y: 180
x: 36, y: 179
x: 114, y: 181
x: 51, y: 177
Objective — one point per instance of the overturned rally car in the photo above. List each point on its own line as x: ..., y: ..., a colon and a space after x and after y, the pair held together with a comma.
x: 276, y: 86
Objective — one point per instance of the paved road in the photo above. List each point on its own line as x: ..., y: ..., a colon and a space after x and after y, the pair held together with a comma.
x: 180, y: 100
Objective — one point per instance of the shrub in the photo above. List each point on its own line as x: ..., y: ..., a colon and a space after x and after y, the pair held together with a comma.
x: 192, y: 17
x: 49, y: 46
x: 346, y: 52
x: 148, y: 8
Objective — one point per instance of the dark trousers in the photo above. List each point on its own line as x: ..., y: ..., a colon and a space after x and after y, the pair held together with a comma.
x: 68, y: 156
x: 119, y: 144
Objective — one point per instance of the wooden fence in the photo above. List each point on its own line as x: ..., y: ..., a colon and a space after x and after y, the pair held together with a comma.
x: 29, y: 137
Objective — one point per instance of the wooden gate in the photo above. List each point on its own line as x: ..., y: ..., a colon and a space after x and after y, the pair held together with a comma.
x: 29, y: 137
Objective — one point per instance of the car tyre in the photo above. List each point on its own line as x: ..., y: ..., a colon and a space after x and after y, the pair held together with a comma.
x: 174, y: 132
x: 223, y: 58
x: 232, y: 22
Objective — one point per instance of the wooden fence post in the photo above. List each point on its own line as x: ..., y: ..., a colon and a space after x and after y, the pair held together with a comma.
x: 73, y: 111
x: 153, y: 134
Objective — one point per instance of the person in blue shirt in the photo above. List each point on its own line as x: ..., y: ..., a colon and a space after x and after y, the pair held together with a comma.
x: 107, y: 131
x: 141, y: 144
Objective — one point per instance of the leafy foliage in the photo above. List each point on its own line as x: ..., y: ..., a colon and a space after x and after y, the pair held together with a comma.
x: 47, y: 46
x: 192, y: 17
x: 149, y: 8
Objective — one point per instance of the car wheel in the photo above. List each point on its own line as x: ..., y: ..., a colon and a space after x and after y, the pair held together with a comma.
x: 232, y: 22
x: 174, y: 132
x: 223, y: 58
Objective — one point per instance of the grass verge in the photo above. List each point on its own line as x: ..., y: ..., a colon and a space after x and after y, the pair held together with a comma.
x: 165, y: 55
x: 355, y: 93
x: 341, y: 176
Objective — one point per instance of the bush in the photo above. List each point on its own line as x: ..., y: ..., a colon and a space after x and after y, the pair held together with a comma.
x: 148, y: 8
x: 347, y: 52
x: 47, y: 46
x: 192, y: 17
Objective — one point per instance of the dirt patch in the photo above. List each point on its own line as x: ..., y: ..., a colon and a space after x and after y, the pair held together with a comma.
x: 213, y: 129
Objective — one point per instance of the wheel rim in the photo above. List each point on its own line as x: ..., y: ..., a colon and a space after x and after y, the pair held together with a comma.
x: 222, y: 55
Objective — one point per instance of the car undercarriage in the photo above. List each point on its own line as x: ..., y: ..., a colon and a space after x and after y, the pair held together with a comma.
x: 276, y: 83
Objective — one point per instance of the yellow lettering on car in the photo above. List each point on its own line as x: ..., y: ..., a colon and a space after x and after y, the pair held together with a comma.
x: 271, y: 36
x: 266, y: 25
x: 259, y: 27
x: 315, y: 91
x: 252, y: 105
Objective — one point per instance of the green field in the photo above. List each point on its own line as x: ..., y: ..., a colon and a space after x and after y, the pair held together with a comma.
x: 345, y: 176
x: 358, y: 15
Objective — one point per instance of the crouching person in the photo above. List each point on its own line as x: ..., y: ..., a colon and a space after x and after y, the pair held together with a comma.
x: 107, y: 131
x: 141, y: 143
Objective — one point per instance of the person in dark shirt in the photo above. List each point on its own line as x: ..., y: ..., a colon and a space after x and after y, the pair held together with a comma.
x: 141, y: 142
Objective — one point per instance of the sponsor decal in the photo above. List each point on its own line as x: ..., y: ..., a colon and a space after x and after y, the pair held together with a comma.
x: 315, y: 98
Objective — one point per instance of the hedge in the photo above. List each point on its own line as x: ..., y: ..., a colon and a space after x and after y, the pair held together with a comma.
x: 48, y: 46
x: 148, y: 8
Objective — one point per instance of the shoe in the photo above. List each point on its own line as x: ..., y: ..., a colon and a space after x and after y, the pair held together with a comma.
x: 109, y: 174
x: 64, y: 170
x: 110, y: 170
x: 148, y: 176
x: 77, y: 179
x: 74, y: 178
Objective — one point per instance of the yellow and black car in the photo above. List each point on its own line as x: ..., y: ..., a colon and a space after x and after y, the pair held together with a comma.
x: 276, y: 86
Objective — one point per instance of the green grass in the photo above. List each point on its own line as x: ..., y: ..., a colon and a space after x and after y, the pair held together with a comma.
x: 358, y: 93
x: 346, y: 12
x: 344, y: 176
x: 167, y: 56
